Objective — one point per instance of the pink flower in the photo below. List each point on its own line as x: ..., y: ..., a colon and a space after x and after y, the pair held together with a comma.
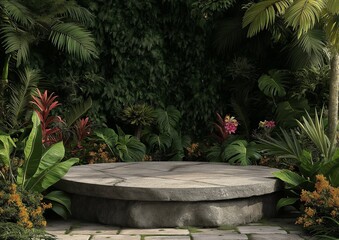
x: 230, y: 124
x: 266, y: 124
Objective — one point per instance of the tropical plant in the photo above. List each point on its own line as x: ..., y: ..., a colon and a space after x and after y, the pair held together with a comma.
x: 304, y: 16
x: 41, y: 167
x: 163, y: 138
x: 127, y: 147
x: 320, y: 213
x: 9, y: 231
x: 309, y: 163
x: 140, y: 115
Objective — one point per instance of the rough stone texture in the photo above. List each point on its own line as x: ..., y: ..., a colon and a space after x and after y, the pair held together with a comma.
x: 169, y: 181
x: 171, y: 194
x: 172, y: 214
x: 275, y: 237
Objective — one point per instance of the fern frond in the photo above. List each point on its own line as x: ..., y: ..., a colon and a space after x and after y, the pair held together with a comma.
x: 261, y: 15
x: 74, y: 40
x: 273, y: 84
x: 302, y: 15
x: 77, y: 111
x: 16, y: 42
x: 17, y: 12
x: 21, y: 94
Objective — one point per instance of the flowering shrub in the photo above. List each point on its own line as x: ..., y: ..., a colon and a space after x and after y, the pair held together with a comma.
x: 321, y: 208
x: 92, y: 153
x: 21, y: 207
x: 225, y: 126
x: 193, y: 152
x: 266, y: 124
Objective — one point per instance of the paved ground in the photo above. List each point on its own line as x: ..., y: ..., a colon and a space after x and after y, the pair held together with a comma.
x: 273, y: 229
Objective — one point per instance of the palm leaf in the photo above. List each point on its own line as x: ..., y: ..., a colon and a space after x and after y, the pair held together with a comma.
x: 302, y: 15
x: 79, y: 14
x: 331, y: 23
x: 61, y: 198
x: 273, y: 84
x: 21, y: 94
x: 74, y: 40
x: 77, y: 111
x: 287, y: 146
x: 17, y: 12
x: 309, y: 50
x: 261, y: 15
x: 16, y: 41
x: 214, y: 153
x: 333, y: 6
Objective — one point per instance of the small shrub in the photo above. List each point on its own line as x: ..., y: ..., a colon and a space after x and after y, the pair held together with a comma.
x: 22, y: 207
x: 321, y: 209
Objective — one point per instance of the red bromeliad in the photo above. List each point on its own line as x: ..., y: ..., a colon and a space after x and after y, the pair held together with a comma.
x: 82, y: 130
x: 44, y: 104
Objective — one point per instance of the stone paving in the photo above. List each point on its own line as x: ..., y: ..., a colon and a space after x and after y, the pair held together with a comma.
x: 273, y: 229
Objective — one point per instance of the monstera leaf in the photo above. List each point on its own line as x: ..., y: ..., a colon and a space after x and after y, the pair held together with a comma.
x: 241, y: 152
x: 289, y: 110
x: 273, y: 84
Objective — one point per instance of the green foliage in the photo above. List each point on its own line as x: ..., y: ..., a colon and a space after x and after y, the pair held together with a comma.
x: 42, y: 167
x: 325, y: 161
x: 10, y: 231
x: 273, y: 84
x: 164, y: 138
x: 138, y: 114
x: 128, y: 148
x: 241, y: 152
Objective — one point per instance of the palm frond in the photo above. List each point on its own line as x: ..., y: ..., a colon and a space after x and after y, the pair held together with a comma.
x: 79, y: 14
x: 333, y: 6
x: 261, y: 15
x: 16, y: 42
x: 77, y: 111
x: 21, y: 94
x: 331, y: 27
x: 273, y: 84
x: 74, y: 40
x: 302, y: 15
x: 17, y: 12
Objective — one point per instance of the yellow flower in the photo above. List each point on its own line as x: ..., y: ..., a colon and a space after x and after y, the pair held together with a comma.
x: 310, y: 212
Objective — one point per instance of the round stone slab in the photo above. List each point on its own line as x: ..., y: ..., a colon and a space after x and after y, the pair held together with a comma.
x: 169, y: 181
x: 171, y: 194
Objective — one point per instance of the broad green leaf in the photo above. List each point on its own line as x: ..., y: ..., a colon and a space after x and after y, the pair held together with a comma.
x: 32, y: 152
x: 289, y: 110
x: 214, y: 153
x: 242, y: 152
x: 272, y: 85
x: 108, y: 135
x: 6, y: 145
x: 167, y: 119
x: 290, y: 177
x: 59, y: 197
x: 51, y: 156
x: 130, y: 148
x: 60, y: 209
x: 286, y: 202
x: 51, y: 175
